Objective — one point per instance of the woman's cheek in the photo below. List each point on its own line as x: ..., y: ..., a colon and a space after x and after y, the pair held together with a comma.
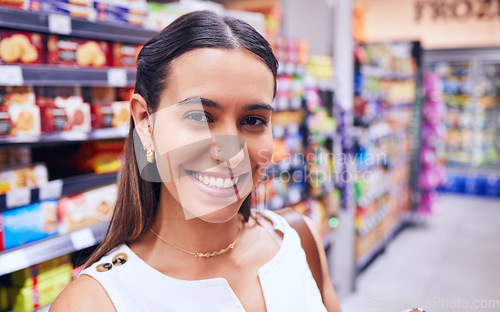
x: 260, y: 156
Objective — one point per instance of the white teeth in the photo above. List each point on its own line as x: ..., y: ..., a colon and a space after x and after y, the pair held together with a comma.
x: 219, y: 182
x: 216, y: 182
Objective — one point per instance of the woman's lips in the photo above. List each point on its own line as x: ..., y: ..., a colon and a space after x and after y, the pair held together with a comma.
x: 217, y: 185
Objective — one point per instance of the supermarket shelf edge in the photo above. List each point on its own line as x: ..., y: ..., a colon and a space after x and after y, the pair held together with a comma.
x: 66, y: 186
x: 50, y: 248
x: 34, y: 21
x: 366, y: 259
x: 69, y: 136
x: 52, y: 75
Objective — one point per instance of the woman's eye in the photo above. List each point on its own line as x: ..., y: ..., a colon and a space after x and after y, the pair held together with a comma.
x: 198, y: 117
x: 254, y: 121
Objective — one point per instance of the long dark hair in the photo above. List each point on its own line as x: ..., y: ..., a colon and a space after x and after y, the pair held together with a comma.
x: 137, y: 201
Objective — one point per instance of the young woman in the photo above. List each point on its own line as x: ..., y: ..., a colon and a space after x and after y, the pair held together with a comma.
x: 182, y: 236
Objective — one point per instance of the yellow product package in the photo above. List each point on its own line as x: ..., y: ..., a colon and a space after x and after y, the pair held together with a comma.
x: 41, y: 272
x: 5, y: 298
x: 41, y: 294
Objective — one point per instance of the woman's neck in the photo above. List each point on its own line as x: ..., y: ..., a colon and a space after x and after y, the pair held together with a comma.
x: 194, y: 234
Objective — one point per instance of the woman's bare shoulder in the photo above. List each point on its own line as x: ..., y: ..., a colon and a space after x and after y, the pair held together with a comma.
x: 83, y: 294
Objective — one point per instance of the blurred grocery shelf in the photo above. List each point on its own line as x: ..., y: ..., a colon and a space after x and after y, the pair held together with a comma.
x: 33, y: 21
x: 50, y: 248
x: 55, y: 189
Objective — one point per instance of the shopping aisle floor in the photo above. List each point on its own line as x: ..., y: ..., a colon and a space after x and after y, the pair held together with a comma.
x: 449, y: 263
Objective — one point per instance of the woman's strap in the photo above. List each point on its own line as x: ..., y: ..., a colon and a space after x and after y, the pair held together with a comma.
x: 296, y: 221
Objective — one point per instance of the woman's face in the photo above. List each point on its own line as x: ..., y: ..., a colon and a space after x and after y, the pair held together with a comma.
x: 212, y: 132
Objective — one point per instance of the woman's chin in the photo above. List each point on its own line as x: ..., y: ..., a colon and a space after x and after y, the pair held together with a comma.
x: 221, y: 215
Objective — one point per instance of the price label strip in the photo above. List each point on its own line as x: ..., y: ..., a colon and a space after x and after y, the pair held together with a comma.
x: 117, y: 77
x: 52, y: 190
x: 82, y: 239
x: 60, y: 24
x: 18, y: 197
x: 13, y: 261
x: 11, y: 75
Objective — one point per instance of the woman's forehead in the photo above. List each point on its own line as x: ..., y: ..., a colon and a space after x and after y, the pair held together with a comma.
x: 220, y: 75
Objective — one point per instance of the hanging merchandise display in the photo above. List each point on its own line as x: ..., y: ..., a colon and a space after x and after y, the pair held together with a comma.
x: 432, y: 169
x: 471, y: 86
x: 386, y: 112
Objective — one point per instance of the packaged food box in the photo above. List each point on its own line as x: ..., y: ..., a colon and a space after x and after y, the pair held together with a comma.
x: 16, y: 4
x: 121, y: 113
x: 99, y: 95
x: 30, y: 223
x: 5, y: 124
x: 87, y: 208
x: 41, y: 272
x: 125, y: 55
x: 116, y: 114
x: 64, y: 50
x: 102, y: 116
x: 124, y: 93
x: 5, y: 298
x: 122, y: 7
x: 23, y: 176
x: 72, y: 2
x: 24, y: 120
x: 120, y: 18
x: 100, y: 156
x: 161, y: 15
x: 33, y: 297
x: 58, y: 96
x: 17, y: 95
x: 63, y: 8
x: 21, y: 47
x: 69, y: 118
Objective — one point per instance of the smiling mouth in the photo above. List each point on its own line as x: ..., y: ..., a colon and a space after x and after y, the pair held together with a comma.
x: 216, y: 182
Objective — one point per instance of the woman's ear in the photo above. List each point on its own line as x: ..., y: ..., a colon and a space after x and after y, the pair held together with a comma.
x: 140, y: 115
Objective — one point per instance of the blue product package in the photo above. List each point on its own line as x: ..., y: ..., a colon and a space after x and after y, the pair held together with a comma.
x: 139, y: 8
x: 30, y: 223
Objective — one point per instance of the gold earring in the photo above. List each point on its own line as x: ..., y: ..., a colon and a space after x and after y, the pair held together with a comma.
x: 149, y: 154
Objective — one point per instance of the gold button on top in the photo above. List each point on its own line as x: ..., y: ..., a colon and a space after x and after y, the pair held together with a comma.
x: 120, y: 259
x: 104, y: 267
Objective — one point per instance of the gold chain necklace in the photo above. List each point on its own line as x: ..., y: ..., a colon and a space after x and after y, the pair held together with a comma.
x: 205, y: 255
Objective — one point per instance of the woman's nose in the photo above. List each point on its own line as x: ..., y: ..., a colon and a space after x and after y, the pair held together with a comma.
x: 228, y: 148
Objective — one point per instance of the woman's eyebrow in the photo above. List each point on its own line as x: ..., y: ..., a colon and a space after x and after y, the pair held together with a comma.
x: 256, y: 106
x: 205, y: 102
x: 212, y: 104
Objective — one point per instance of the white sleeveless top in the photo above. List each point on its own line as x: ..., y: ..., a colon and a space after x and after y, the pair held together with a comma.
x: 286, y: 280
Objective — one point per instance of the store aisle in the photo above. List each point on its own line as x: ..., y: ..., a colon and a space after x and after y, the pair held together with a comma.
x: 449, y: 263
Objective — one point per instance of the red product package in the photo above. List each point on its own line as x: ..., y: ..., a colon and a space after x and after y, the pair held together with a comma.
x: 69, y: 118
x: 21, y: 47
x: 125, y: 55
x: 124, y: 93
x: 58, y: 96
x: 63, y: 50
x: 25, y: 120
x: 116, y: 114
x: 102, y: 116
x: 16, y: 4
x: 99, y: 95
